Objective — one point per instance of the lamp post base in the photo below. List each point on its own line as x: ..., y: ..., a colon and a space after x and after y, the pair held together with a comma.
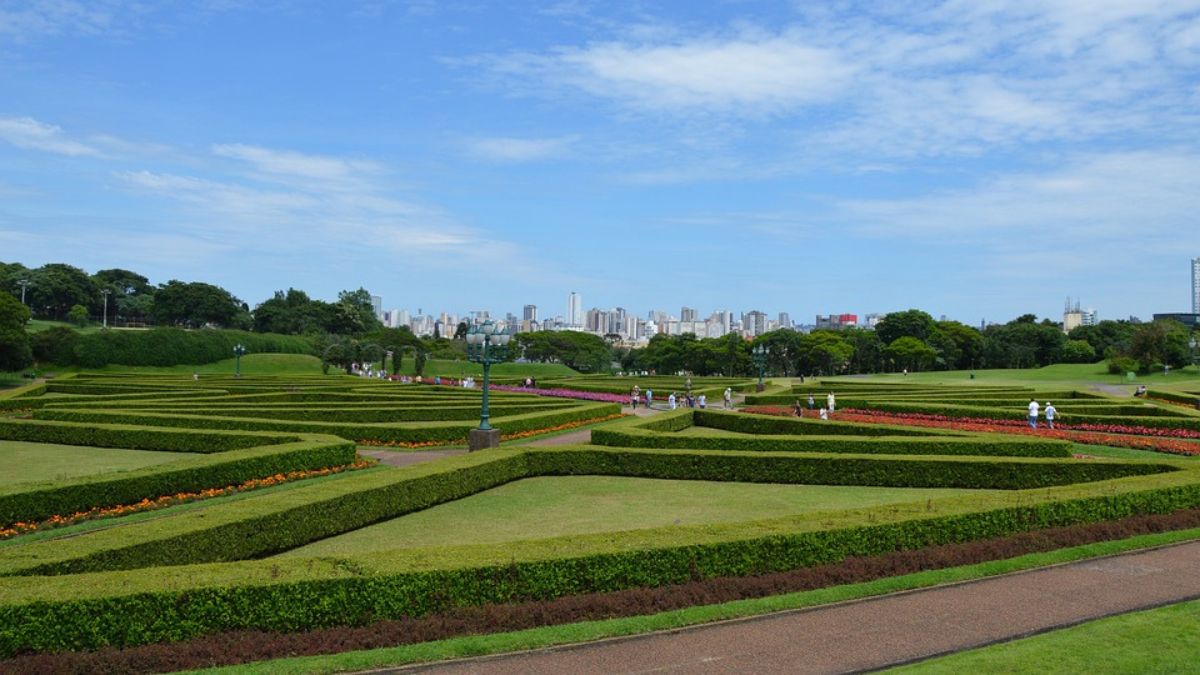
x: 482, y: 439
x: 760, y: 386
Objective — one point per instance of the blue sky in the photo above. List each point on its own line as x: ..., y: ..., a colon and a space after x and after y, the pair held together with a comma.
x: 972, y: 158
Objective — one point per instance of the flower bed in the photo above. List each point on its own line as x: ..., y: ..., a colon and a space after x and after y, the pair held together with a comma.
x: 171, y: 500
x: 1122, y: 436
x: 564, y: 393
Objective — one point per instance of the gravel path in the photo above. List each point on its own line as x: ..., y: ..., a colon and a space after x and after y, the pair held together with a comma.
x: 888, y: 630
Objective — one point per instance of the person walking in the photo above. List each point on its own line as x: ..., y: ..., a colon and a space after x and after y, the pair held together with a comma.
x: 824, y: 414
x: 1050, y: 412
x: 649, y: 398
x: 633, y: 398
x: 831, y: 402
x: 728, y: 398
x: 1033, y: 413
x: 703, y: 401
x: 671, y: 401
x: 811, y: 403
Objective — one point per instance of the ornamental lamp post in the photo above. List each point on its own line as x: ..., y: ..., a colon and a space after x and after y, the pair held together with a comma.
x: 23, y: 283
x: 106, y: 292
x: 759, y: 356
x: 238, y: 351
x: 487, y: 343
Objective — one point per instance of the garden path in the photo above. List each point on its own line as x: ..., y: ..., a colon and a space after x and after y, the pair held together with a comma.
x: 883, y: 631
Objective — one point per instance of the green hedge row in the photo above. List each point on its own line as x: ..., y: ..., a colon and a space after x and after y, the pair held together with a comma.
x: 256, y: 527
x: 1127, y: 415
x: 173, y: 346
x: 263, y: 525
x: 132, y: 437
x: 26, y: 502
x: 773, y: 424
x: 1188, y: 398
x: 411, y: 432
x: 316, y: 593
x: 378, y: 415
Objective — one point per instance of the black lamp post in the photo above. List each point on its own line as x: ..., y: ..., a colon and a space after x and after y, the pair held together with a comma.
x: 486, y: 344
x: 239, y: 350
x: 759, y: 356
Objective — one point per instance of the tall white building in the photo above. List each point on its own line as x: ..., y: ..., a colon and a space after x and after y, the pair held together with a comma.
x: 1195, y: 285
x: 574, y: 310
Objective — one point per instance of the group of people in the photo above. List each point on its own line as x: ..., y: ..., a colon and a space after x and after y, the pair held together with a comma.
x: 823, y: 413
x: 1035, y: 408
x: 690, y: 401
x: 674, y: 400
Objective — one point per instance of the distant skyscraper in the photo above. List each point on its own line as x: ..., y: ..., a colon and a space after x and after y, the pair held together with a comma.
x: 1195, y: 285
x: 688, y: 314
x: 574, y: 310
x: 377, y: 306
x: 530, y: 313
x: 785, y: 321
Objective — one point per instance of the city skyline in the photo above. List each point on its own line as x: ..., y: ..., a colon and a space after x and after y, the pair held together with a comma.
x: 978, y: 160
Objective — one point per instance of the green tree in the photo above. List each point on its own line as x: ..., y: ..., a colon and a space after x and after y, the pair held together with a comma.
x: 55, y: 288
x: 132, y: 295
x: 911, y: 353
x: 15, y: 350
x: 960, y: 345
x: 196, y: 304
x: 826, y: 351
x: 1078, y: 351
x: 1160, y: 343
x: 78, y: 315
x: 909, y: 323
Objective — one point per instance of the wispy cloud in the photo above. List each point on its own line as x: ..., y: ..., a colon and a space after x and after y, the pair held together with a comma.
x: 28, y: 133
x: 288, y: 163
x: 509, y: 149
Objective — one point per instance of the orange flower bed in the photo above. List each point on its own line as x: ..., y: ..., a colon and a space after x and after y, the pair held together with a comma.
x: 147, y: 504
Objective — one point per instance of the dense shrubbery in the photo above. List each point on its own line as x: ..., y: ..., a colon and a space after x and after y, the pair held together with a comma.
x: 130, y: 608
x: 172, y: 346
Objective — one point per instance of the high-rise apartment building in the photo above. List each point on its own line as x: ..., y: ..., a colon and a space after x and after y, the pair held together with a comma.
x: 574, y: 310
x: 785, y: 321
x: 1195, y: 285
x: 687, y: 314
x: 529, y: 313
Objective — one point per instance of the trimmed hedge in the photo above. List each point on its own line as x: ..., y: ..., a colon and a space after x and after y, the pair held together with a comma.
x: 128, y: 608
x: 31, y: 502
x: 413, y: 432
x: 261, y: 526
x: 133, y: 437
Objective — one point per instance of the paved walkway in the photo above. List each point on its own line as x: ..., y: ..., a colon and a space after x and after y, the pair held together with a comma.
x: 879, y: 632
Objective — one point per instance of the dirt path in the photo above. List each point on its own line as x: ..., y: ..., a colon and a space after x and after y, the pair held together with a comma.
x: 883, y: 631
x: 582, y: 436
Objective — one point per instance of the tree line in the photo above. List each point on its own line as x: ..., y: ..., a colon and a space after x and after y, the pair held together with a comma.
x: 347, y: 331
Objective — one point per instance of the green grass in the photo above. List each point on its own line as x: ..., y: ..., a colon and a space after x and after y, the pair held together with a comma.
x: 28, y: 462
x: 536, y: 638
x: 1162, y: 640
x: 542, y: 507
x: 1076, y: 374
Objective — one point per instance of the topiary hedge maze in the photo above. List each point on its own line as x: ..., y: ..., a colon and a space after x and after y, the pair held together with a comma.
x: 189, y: 573
x: 989, y: 402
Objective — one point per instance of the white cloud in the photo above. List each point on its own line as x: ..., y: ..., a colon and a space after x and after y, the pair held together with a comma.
x: 293, y: 164
x: 28, y: 133
x: 1100, y: 209
x: 508, y: 149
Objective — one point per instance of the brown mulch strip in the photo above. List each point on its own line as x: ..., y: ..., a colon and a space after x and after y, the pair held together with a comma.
x: 250, y: 645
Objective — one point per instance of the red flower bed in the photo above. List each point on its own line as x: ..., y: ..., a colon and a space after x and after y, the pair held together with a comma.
x: 1121, y: 436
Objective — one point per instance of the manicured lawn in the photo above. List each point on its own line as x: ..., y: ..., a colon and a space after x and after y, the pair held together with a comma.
x: 1164, y: 640
x: 551, y: 506
x: 1066, y: 374
x: 25, y: 462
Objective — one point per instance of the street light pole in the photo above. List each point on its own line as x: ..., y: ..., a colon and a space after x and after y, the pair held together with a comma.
x: 23, y: 283
x: 238, y: 351
x: 486, y: 344
x: 759, y: 355
x: 106, y: 292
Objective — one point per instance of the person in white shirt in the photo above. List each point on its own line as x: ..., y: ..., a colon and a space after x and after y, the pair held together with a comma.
x: 703, y: 401
x: 1050, y: 411
x: 671, y: 401
x: 830, y: 401
x: 728, y: 397
x: 824, y: 414
x: 1033, y: 413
